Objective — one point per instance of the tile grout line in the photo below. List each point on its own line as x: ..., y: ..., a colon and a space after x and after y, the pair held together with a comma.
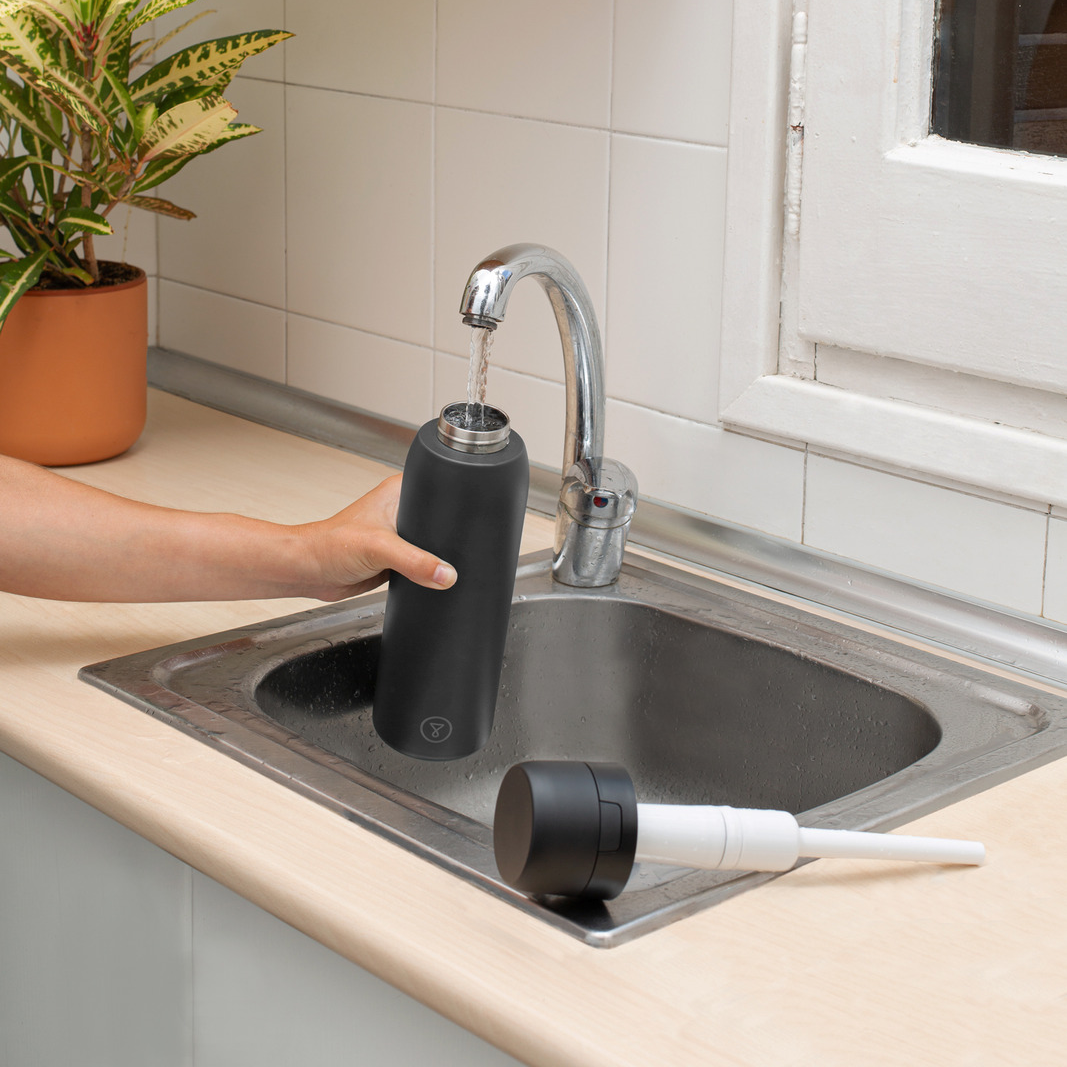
x: 607, y: 220
x: 432, y: 103
x: 285, y: 202
x: 433, y: 214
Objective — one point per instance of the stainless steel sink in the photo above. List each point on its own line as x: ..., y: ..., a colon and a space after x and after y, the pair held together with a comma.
x: 707, y: 693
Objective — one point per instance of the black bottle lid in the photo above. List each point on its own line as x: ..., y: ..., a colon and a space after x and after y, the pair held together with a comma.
x: 566, y: 828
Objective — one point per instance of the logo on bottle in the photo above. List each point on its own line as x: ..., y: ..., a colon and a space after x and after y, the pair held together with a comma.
x: 436, y: 729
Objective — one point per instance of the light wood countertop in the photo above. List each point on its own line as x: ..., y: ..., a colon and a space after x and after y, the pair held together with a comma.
x: 838, y: 963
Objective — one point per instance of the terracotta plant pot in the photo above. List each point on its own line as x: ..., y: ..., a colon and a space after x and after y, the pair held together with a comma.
x: 72, y: 373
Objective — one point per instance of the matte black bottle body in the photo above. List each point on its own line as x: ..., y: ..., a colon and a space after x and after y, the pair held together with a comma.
x: 442, y: 651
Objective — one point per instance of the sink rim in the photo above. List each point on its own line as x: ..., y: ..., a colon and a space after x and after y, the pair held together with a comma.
x: 464, y: 845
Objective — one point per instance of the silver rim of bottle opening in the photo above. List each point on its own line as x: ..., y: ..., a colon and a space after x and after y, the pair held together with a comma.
x: 458, y: 428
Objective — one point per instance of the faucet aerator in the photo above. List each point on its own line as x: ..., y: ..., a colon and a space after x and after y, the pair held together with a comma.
x: 480, y: 321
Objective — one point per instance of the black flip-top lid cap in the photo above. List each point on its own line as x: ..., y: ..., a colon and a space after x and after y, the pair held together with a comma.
x: 566, y: 828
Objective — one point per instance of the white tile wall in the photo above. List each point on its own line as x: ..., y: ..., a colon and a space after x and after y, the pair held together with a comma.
x: 236, y: 243
x: 550, y: 60
x: 500, y: 180
x: 727, y: 475
x: 337, y: 46
x: 134, y: 241
x: 236, y: 333
x: 405, y: 141
x: 671, y: 69
x: 358, y: 211
x: 665, y: 272
x: 363, y: 369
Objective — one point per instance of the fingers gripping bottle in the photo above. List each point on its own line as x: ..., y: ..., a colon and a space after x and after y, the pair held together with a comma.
x: 463, y: 498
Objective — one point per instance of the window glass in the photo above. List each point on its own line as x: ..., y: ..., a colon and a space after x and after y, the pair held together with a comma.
x: 1000, y: 74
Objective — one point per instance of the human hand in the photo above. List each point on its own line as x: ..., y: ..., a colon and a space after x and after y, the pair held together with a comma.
x: 353, y: 551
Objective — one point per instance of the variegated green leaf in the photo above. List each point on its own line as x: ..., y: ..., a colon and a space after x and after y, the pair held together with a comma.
x: 77, y: 176
x: 73, y: 113
x: 145, y: 49
x: 69, y: 268
x: 122, y: 94
x: 158, y: 171
x: 206, y: 63
x: 14, y: 102
x: 116, y: 11
x: 193, y: 92
x: 23, y: 35
x: 113, y: 52
x: 155, y: 9
x: 145, y: 117
x: 160, y: 206
x: 62, y: 14
x: 82, y: 220
x: 26, y: 50
x: 188, y: 129
x: 56, y: 92
x: 10, y: 169
x: 68, y: 12
x: 12, y: 210
x: 163, y: 167
x: 25, y: 239
x: 40, y: 172
x: 16, y: 278
x: 234, y: 132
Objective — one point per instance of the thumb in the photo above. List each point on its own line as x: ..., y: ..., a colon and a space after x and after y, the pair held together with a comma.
x: 421, y: 567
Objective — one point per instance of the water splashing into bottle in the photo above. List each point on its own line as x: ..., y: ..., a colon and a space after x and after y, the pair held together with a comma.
x: 477, y: 375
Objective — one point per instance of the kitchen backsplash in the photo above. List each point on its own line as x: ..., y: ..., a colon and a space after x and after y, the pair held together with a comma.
x: 405, y: 141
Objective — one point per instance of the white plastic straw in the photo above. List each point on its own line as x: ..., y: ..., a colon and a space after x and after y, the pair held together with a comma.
x: 852, y: 844
x: 753, y: 839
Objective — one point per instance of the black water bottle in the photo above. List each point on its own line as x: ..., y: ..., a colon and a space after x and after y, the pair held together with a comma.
x: 464, y: 499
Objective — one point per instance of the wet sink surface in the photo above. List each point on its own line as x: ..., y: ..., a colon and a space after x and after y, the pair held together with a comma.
x: 706, y: 693
x: 693, y: 712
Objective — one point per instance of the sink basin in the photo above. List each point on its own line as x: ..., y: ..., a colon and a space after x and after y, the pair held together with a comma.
x: 706, y: 692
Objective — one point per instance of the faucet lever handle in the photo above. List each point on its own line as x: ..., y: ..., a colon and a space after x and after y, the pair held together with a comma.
x: 599, y: 492
x: 596, y: 504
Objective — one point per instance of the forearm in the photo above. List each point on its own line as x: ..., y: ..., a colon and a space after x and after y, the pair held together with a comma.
x: 63, y: 540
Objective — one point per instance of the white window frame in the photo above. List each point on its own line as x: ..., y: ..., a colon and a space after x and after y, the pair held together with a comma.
x: 885, y: 212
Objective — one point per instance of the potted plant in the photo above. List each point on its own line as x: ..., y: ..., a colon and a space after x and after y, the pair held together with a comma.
x: 90, y: 118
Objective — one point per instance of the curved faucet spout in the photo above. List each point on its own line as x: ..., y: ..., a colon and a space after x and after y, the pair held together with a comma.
x: 599, y: 495
x: 485, y: 301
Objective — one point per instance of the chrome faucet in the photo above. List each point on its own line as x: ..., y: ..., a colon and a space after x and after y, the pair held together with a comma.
x: 599, y: 495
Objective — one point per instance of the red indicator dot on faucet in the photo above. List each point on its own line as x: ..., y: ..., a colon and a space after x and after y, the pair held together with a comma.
x: 600, y: 501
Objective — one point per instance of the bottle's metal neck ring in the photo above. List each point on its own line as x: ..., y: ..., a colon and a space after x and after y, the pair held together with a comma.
x: 460, y: 428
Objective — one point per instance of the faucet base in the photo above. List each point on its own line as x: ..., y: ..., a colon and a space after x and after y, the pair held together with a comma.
x: 596, y: 503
